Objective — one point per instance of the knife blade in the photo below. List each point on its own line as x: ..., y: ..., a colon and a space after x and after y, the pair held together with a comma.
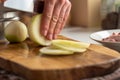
x: 30, y: 6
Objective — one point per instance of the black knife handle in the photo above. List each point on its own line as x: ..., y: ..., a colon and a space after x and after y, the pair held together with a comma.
x: 38, y: 6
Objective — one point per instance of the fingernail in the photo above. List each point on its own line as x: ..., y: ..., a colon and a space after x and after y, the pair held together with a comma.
x: 45, y: 33
x: 50, y: 36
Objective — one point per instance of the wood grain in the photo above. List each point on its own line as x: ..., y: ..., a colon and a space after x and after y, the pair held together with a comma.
x: 25, y: 59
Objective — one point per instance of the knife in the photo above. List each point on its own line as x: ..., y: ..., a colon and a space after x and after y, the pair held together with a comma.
x: 30, y: 6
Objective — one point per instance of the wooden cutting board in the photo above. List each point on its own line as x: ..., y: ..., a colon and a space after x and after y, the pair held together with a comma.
x: 25, y: 59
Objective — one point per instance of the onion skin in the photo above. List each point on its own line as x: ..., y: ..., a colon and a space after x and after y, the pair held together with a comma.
x: 16, y: 31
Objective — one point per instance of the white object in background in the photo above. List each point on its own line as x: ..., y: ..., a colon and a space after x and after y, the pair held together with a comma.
x: 98, y: 36
x: 79, y: 33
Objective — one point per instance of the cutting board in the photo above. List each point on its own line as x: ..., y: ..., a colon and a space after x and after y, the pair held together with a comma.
x: 24, y: 59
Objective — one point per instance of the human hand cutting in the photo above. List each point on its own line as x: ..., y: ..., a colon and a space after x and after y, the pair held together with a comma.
x: 54, y: 17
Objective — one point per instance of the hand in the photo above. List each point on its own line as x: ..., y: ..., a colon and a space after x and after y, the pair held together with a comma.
x: 54, y: 17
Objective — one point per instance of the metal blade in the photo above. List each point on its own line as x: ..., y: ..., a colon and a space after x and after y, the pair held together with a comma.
x: 21, y: 5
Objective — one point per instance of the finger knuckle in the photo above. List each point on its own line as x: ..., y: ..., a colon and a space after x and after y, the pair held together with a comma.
x: 48, y: 16
x: 60, y: 20
x: 55, y: 18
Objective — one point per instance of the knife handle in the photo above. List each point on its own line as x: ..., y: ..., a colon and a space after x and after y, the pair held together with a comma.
x: 38, y: 6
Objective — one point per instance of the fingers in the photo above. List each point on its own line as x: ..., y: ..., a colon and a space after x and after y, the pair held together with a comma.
x: 54, y: 17
x: 54, y: 20
x: 65, y: 18
x: 62, y: 18
x: 47, y: 14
